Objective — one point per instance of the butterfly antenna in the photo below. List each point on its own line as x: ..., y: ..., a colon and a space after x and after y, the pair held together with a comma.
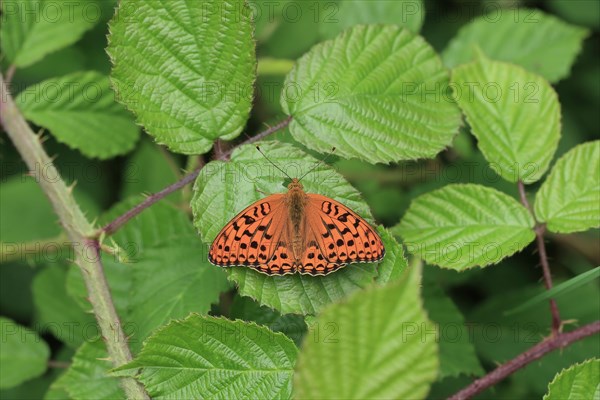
x: 269, y: 160
x: 318, y: 164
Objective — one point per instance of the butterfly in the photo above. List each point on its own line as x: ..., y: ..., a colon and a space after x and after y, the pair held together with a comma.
x: 296, y: 232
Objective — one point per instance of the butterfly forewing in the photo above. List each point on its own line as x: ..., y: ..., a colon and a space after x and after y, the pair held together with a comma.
x: 251, y: 238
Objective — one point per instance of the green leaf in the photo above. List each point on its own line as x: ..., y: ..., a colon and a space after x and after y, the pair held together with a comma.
x: 33, y: 28
x: 580, y: 381
x: 345, y: 14
x: 556, y: 291
x: 456, y: 351
x: 224, y: 189
x: 293, y: 326
x: 394, y: 264
x: 514, y: 114
x: 207, y: 357
x: 569, y: 199
x: 59, y: 313
x: 80, y: 111
x: 88, y: 377
x: 24, y: 354
x: 520, y: 36
x: 462, y: 226
x: 375, y: 92
x: 185, y: 68
x: 380, y: 344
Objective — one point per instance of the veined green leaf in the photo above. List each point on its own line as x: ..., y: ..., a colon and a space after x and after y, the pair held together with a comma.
x: 24, y: 354
x: 376, y: 92
x: 186, y: 68
x: 80, y: 110
x: 88, y: 377
x: 376, y: 344
x: 462, y: 226
x: 580, y: 381
x: 224, y: 189
x: 561, y: 288
x: 514, y: 114
x: 207, y: 357
x: 569, y: 199
x: 345, y: 14
x: 520, y: 36
x: 33, y: 28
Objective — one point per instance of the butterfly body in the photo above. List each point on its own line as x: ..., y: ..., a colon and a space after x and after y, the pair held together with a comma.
x: 296, y: 231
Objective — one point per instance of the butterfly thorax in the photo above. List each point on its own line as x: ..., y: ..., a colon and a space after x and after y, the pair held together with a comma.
x: 296, y: 200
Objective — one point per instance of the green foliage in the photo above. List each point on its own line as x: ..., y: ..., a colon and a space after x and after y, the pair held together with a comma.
x: 28, y: 26
x: 462, y: 226
x: 569, y: 199
x: 519, y: 36
x: 402, y: 114
x: 80, y: 111
x: 383, y: 97
x: 514, y: 114
x: 24, y: 354
x: 185, y: 68
x: 408, y: 13
x: 580, y: 381
x: 364, y: 360
x: 206, y: 357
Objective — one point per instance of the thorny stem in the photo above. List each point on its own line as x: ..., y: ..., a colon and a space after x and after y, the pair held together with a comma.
x: 78, y: 228
x: 539, y: 234
x: 552, y: 343
x: 121, y: 220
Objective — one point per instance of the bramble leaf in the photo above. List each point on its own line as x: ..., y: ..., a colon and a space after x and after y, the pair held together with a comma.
x: 569, y: 200
x: 580, y: 381
x: 224, y: 189
x: 207, y: 357
x: 462, y: 226
x: 185, y: 68
x: 24, y: 354
x: 520, y: 36
x: 79, y: 110
x: 375, y: 92
x: 33, y: 28
x: 514, y: 114
x: 379, y: 344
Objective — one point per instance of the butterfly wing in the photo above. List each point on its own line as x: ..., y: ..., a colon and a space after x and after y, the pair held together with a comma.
x: 255, y: 238
x: 337, y: 236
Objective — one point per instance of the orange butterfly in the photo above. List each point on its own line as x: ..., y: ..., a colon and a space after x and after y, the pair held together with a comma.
x: 296, y: 231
